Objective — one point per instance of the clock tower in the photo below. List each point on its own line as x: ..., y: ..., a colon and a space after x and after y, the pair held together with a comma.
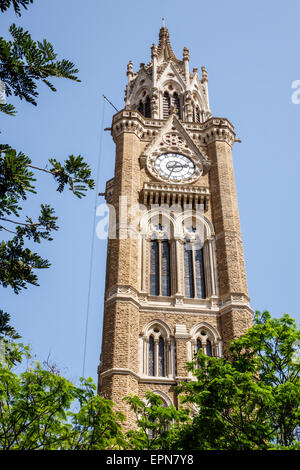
x: 175, y: 275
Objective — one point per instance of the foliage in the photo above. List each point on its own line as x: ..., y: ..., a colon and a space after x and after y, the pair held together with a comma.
x: 5, y: 4
x: 251, y: 399
x: 23, y: 64
x: 157, y: 425
x: 16, y: 181
x: 6, y: 330
x: 40, y: 410
x: 10, y: 351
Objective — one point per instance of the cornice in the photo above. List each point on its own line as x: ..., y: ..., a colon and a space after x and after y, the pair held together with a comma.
x: 212, y: 130
x: 140, y: 378
x: 174, y: 305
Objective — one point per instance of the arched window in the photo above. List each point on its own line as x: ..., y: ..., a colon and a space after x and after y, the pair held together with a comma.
x: 154, y: 267
x: 197, y: 114
x: 165, y: 269
x: 141, y: 107
x: 160, y: 275
x: 147, y: 113
x: 151, y: 356
x: 144, y: 107
x: 176, y: 103
x: 188, y: 271
x: 208, y: 348
x: 166, y: 105
x: 199, y: 273
x: 161, y: 357
x: 157, y: 348
x: 206, y: 338
x: 194, y: 282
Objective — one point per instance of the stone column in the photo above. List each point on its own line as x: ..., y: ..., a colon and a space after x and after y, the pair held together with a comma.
x: 181, y: 338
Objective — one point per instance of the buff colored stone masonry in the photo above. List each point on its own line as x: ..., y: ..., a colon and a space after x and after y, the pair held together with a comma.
x: 128, y: 308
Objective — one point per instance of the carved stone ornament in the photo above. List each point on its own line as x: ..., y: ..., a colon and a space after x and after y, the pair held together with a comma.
x: 174, y: 139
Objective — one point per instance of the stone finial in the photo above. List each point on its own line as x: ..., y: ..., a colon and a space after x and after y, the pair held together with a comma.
x: 195, y: 70
x: 204, y: 74
x: 130, y: 69
x: 164, y: 49
x: 154, y: 51
x: 186, y: 54
x: 164, y: 33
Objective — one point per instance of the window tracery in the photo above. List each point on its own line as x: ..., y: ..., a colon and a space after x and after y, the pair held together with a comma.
x: 158, y: 351
x: 160, y: 261
x: 181, y: 258
x: 194, y: 277
x: 205, y: 338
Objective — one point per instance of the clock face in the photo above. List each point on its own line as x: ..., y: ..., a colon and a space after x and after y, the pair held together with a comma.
x: 174, y: 167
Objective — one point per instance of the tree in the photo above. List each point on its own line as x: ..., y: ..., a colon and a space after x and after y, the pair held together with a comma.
x: 249, y: 400
x: 40, y: 410
x: 25, y: 63
x: 157, y: 425
x: 5, y: 4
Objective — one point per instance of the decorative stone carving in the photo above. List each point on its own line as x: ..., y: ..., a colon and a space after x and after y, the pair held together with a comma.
x: 159, y: 145
x: 169, y: 194
x: 165, y: 71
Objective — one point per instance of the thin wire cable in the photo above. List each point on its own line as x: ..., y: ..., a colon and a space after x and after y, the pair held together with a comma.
x: 93, y: 237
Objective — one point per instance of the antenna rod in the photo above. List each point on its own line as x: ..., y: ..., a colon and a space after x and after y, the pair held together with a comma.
x: 110, y: 103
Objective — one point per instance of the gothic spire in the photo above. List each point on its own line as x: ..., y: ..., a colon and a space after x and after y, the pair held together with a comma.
x: 164, y: 49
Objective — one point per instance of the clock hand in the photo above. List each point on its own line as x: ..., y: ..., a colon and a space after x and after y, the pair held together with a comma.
x: 172, y: 170
x: 177, y: 165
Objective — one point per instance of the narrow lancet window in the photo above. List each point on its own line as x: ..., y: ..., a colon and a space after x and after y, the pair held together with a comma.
x: 188, y: 271
x: 194, y: 278
x: 144, y: 107
x: 199, y: 271
x: 160, y: 268
x: 147, y: 112
x: 161, y: 357
x: 154, y: 268
x: 208, y: 348
x: 166, y: 105
x: 151, y: 356
x: 165, y: 269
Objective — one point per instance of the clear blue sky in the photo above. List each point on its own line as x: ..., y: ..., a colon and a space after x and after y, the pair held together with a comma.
x: 251, y: 52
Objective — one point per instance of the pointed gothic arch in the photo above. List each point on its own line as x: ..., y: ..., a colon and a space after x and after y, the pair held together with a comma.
x: 205, y: 336
x: 166, y: 400
x: 157, y: 350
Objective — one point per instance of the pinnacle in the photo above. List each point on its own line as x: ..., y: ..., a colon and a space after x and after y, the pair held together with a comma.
x: 165, y: 50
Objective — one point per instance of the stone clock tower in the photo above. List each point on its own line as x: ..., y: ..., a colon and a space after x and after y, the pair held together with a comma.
x: 175, y: 275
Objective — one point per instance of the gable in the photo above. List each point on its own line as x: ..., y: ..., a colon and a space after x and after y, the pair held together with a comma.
x: 170, y: 73
x: 173, y: 137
